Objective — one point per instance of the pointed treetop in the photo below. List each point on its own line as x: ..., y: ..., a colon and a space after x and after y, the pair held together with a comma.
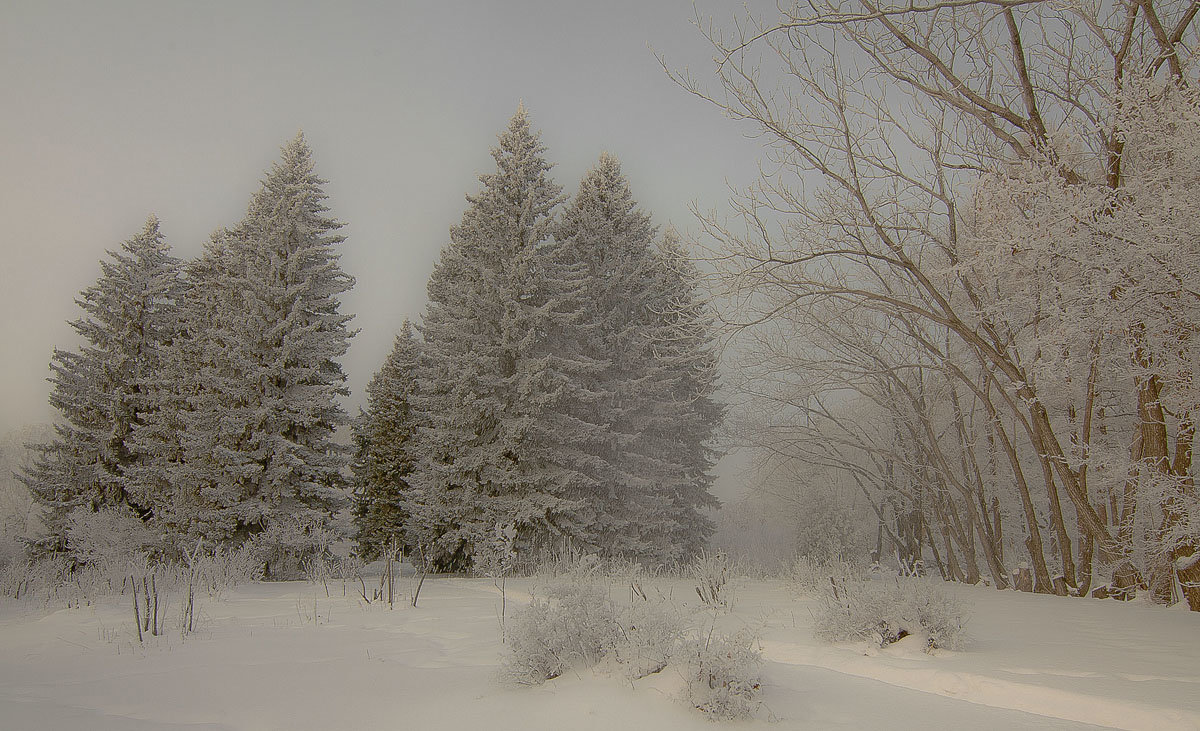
x: 296, y: 154
x: 147, y: 243
x: 521, y: 183
x: 518, y: 136
x: 606, y: 174
x: 604, y: 191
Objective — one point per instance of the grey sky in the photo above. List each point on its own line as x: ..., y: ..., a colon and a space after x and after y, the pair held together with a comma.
x: 117, y: 110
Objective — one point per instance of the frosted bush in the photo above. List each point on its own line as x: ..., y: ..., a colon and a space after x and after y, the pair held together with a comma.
x: 287, y: 543
x: 317, y: 570
x: 815, y: 577
x: 883, y: 612
x: 226, y: 568
x: 348, y: 568
x: 25, y: 579
x: 650, y: 636
x: 576, y: 626
x: 106, y: 536
x: 722, y: 675
x: 496, y: 556
x: 570, y: 565
x: 712, y: 572
x: 579, y: 626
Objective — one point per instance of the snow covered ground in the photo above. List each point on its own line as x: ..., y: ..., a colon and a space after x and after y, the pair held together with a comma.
x: 285, y: 656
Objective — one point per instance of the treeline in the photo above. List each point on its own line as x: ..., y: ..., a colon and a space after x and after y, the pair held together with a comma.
x: 558, y: 390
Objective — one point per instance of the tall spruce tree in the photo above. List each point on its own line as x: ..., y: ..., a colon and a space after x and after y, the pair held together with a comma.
x: 383, y: 459
x: 606, y: 241
x: 489, y: 384
x: 178, y: 438
x: 260, y: 365
x: 679, y: 432
x: 637, y: 316
x: 101, y: 391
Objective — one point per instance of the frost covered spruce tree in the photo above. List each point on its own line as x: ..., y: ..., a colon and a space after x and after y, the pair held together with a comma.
x: 490, y: 383
x: 384, y: 458
x: 261, y: 367
x: 174, y: 442
x: 678, y: 432
x: 649, y: 391
x: 100, y: 391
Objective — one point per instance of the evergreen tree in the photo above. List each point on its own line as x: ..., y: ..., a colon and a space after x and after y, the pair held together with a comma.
x: 606, y: 242
x: 383, y: 437
x: 260, y: 366
x: 178, y: 436
x: 680, y: 429
x: 487, y: 382
x: 101, y: 391
x: 637, y: 317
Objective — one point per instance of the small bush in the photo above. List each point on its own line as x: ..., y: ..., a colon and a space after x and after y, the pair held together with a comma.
x: 579, y: 626
x: 226, y: 568
x: 287, y: 543
x: 110, y: 535
x: 815, y: 577
x: 883, y: 612
x: 722, y: 675
x: 651, y: 635
x: 711, y: 573
x: 575, y: 627
x: 24, y: 579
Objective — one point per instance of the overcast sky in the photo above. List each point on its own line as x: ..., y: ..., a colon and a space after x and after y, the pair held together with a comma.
x: 115, y: 110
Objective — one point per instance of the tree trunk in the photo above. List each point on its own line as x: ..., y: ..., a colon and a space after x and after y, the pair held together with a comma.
x: 1065, y: 553
x: 1033, y: 542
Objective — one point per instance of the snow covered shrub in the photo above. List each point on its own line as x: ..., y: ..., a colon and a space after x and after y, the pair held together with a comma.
x: 287, y: 543
x: 650, y: 636
x: 109, y: 535
x: 815, y: 577
x: 23, y: 579
x: 570, y: 565
x: 711, y: 573
x: 722, y: 674
x: 883, y: 612
x: 496, y: 556
x: 18, y: 579
x: 834, y: 523
x: 631, y: 573
x: 226, y: 568
x: 576, y: 626
x: 318, y: 570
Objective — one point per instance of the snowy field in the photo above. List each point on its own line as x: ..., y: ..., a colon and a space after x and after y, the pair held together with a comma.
x: 286, y: 656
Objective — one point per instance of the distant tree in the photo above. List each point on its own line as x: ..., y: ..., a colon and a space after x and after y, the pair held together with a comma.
x: 100, y: 391
x: 487, y: 381
x: 383, y: 459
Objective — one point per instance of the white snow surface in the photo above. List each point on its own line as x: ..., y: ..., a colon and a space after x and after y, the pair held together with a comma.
x: 285, y: 656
